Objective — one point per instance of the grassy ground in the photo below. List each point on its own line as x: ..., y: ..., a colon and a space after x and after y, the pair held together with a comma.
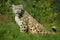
x: 41, y: 12
x: 10, y: 31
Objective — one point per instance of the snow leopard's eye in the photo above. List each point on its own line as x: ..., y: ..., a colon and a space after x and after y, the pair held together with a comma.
x: 15, y: 8
x: 19, y: 8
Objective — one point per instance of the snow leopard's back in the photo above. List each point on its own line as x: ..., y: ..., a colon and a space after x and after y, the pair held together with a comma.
x: 29, y: 24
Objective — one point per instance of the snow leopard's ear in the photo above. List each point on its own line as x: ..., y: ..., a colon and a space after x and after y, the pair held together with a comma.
x: 13, y: 5
x: 13, y: 8
x: 21, y: 6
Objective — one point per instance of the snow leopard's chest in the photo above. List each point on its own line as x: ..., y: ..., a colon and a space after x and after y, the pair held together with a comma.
x: 18, y: 21
x: 22, y: 22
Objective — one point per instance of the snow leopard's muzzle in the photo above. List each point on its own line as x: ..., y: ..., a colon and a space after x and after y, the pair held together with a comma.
x: 20, y: 13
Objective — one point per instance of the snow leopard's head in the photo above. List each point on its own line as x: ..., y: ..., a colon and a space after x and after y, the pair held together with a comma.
x: 18, y: 10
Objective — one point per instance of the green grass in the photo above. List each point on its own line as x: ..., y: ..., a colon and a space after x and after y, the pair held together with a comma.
x: 10, y: 31
x: 44, y: 12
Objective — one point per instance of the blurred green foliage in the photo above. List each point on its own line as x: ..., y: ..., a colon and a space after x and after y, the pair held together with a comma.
x: 44, y: 11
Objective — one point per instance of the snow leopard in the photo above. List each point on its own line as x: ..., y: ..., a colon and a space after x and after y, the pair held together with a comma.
x: 26, y: 22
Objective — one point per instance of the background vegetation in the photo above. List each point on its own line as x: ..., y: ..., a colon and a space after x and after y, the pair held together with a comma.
x: 46, y: 12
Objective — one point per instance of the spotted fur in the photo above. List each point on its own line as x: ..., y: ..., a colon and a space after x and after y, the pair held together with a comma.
x: 26, y: 22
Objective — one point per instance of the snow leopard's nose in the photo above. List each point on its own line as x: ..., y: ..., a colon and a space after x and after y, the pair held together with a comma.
x: 21, y: 13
